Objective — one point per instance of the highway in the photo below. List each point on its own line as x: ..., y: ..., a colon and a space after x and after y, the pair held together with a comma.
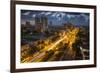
x: 69, y: 37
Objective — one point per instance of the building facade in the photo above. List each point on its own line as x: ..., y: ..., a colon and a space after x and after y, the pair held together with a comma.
x: 41, y: 24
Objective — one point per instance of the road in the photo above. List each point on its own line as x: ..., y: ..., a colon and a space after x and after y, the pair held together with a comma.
x: 70, y: 38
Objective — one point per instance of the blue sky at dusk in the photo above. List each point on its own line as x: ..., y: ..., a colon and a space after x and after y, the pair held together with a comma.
x: 56, y: 17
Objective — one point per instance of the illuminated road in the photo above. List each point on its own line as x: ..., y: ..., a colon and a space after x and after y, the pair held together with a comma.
x: 69, y: 37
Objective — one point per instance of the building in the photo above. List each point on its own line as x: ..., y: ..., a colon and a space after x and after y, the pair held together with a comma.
x: 41, y: 23
x: 28, y: 24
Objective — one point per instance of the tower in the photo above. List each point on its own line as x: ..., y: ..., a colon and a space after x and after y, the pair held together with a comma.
x: 41, y: 23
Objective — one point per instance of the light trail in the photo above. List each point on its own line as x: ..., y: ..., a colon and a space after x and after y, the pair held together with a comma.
x: 55, y: 44
x: 70, y: 36
x: 75, y: 31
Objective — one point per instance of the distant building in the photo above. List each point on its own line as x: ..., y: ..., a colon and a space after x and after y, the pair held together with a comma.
x: 28, y: 24
x: 41, y: 24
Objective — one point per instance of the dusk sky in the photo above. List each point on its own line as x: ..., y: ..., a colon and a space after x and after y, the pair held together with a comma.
x: 56, y: 17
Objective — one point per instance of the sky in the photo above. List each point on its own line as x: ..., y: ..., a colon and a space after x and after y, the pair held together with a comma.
x: 56, y: 17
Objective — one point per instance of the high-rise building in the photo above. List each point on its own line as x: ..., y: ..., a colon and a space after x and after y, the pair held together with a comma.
x: 28, y: 24
x: 41, y: 23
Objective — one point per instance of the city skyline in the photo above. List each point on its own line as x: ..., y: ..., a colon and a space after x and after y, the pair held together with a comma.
x: 55, y: 36
x: 56, y: 17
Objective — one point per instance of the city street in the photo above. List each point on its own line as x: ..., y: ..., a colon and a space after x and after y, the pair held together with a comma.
x: 49, y: 53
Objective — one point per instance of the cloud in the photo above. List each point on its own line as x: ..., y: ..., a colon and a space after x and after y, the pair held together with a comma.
x: 26, y: 13
x: 57, y: 15
x: 54, y: 14
x: 42, y: 13
x: 70, y: 16
x: 85, y: 16
x: 48, y: 13
x: 34, y: 15
x: 62, y: 14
